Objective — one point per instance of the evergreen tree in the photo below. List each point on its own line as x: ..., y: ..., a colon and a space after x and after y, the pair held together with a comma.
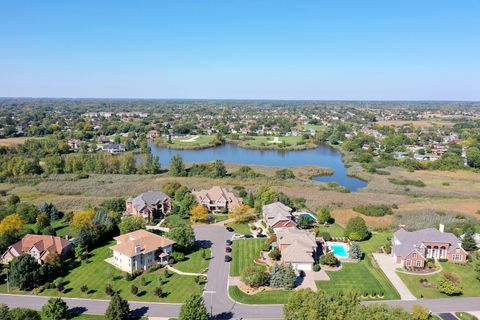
x: 118, y: 309
x: 276, y: 278
x: 250, y: 200
x: 468, y: 242
x: 55, y: 309
x: 289, y: 277
x: 25, y: 272
x: 355, y: 251
x: 193, y: 308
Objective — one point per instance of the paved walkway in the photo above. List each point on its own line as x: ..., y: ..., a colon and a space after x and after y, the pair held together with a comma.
x: 185, y: 273
x: 309, y: 280
x: 388, y: 266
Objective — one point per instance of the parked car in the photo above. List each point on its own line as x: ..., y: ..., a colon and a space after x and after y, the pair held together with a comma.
x: 228, y: 242
x: 248, y: 236
x: 228, y: 249
x: 237, y: 236
x: 261, y: 235
x: 228, y: 258
x: 230, y: 229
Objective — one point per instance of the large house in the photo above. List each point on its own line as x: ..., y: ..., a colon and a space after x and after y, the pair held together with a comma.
x: 278, y: 216
x: 217, y: 199
x: 298, y: 248
x: 411, y: 249
x: 38, y: 246
x: 139, y: 250
x: 149, y: 205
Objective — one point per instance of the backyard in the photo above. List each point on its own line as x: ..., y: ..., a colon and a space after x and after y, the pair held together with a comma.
x: 96, y: 274
x: 243, y: 253
x: 466, y: 274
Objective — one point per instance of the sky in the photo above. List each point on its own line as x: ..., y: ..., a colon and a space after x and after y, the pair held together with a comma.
x: 241, y: 49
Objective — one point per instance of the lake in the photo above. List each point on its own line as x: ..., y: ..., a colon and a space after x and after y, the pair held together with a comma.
x: 323, y: 156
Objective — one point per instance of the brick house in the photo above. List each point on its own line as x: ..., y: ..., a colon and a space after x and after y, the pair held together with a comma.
x: 217, y: 199
x: 278, y: 216
x: 412, y: 249
x: 149, y: 205
x: 38, y: 246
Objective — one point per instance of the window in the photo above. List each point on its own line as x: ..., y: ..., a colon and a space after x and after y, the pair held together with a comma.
x: 414, y: 255
x: 457, y: 257
x: 419, y: 263
x: 409, y: 263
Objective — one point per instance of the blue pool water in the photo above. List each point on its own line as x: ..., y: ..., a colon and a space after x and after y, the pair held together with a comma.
x: 339, y: 250
x: 308, y: 215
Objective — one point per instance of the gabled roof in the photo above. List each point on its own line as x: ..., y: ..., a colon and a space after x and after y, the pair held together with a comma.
x: 299, y: 245
x: 150, y: 198
x: 141, y: 239
x: 217, y: 194
x: 43, y: 243
x: 275, y: 212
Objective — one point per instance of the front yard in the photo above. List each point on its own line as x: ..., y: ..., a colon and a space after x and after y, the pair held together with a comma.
x: 470, y: 285
x: 194, y: 262
x: 243, y: 253
x: 265, y: 297
x: 240, y: 228
x: 96, y: 274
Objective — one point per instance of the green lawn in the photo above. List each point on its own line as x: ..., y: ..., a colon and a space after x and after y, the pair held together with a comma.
x: 200, y: 141
x: 220, y: 217
x: 465, y: 316
x: 96, y: 274
x: 264, y: 297
x: 194, y: 261
x: 335, y: 230
x: 243, y: 253
x: 361, y: 277
x: 240, y: 228
x: 471, y: 286
x: 375, y: 242
x: 79, y: 317
x: 266, y: 140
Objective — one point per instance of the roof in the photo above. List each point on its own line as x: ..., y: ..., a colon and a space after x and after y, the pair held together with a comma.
x: 142, y: 239
x: 217, y: 194
x: 275, y: 212
x: 43, y: 243
x: 150, y: 198
x: 407, y: 241
x: 300, y: 245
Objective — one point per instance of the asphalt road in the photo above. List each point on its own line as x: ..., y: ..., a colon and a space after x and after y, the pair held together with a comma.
x: 216, y: 293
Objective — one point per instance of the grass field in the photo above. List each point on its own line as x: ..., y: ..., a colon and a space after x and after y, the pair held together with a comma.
x: 268, y: 141
x: 96, y: 274
x: 191, y: 141
x: 471, y: 286
x: 264, y: 297
x: 375, y: 242
x: 243, y: 253
x: 361, y: 277
x: 79, y: 317
x: 465, y: 316
x: 8, y: 142
x: 240, y: 228
x: 194, y: 261
x: 335, y: 230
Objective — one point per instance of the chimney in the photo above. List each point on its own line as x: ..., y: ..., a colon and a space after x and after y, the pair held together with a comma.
x: 441, y: 227
x: 138, y: 249
x: 401, y: 226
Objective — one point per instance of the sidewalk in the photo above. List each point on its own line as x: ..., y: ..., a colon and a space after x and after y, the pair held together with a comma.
x: 185, y: 273
x: 388, y: 266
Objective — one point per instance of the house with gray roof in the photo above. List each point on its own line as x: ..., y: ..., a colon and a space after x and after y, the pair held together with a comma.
x: 298, y: 248
x: 149, y: 205
x: 412, y: 249
x: 278, y: 216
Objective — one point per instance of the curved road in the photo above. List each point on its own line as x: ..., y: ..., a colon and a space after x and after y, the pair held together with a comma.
x: 216, y: 293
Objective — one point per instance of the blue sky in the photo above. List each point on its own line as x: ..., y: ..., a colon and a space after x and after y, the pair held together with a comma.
x: 402, y: 50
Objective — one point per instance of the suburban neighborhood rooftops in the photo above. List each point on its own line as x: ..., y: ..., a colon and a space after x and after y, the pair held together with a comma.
x: 43, y: 243
x: 276, y: 212
x: 140, y: 241
x: 217, y: 194
x: 147, y: 199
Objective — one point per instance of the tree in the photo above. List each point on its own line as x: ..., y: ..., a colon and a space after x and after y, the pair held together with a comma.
x: 131, y: 223
x: 43, y: 221
x: 289, y: 277
x: 25, y: 272
x: 11, y: 224
x: 468, y: 242
x: 305, y: 222
x: 52, y: 266
x: 242, y: 213
x: 56, y: 309
x: 473, y: 157
x: 134, y: 289
x: 355, y: 251
x: 275, y: 254
x: 449, y: 287
x: 284, y: 174
x: 177, y: 168
x: 24, y: 313
x: 329, y: 259
x: 170, y: 188
x: 323, y: 215
x: 4, y: 312
x: 183, y: 235
x: 219, y: 169
x: 158, y: 292
x: 199, y: 213
x: 276, y: 277
x: 118, y: 309
x: 255, y: 277
x: 193, y: 308
x: 356, y: 229
x: 419, y: 312
x: 250, y: 200
x: 83, y: 219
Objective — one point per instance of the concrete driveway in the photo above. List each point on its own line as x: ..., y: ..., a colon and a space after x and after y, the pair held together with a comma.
x: 388, y: 266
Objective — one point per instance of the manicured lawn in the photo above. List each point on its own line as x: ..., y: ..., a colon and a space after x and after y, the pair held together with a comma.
x: 243, y: 253
x: 375, y: 242
x: 267, y: 140
x: 79, y: 317
x: 335, y: 230
x: 471, y: 286
x: 220, y: 217
x: 240, y: 228
x: 264, y: 297
x: 465, y: 316
x: 96, y: 274
x: 361, y: 277
x: 201, y: 140
x: 194, y: 261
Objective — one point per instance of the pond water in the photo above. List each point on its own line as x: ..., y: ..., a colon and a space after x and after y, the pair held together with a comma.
x: 323, y: 156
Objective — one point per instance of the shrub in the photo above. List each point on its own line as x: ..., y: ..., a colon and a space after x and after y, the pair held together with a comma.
x: 374, y: 210
x: 134, y: 290
x: 275, y: 254
x: 178, y: 256
x: 355, y: 252
x: 316, y: 267
x: 325, y: 235
x: 255, y: 277
x: 266, y: 247
x: 407, y: 182
x: 448, y: 287
x: 329, y: 259
x: 324, y: 215
x: 109, y: 290
x: 356, y: 229
x: 158, y: 292
x: 84, y: 288
x: 284, y: 174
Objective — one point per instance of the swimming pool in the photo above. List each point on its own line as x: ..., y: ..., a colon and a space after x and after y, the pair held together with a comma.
x: 308, y: 215
x: 339, y: 249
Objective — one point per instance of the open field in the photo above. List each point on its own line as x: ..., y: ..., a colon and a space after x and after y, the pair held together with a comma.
x: 470, y: 285
x: 414, y: 123
x: 362, y: 277
x: 95, y: 273
x: 342, y: 216
x: 243, y: 253
x: 264, y: 297
x: 9, y: 142
x: 274, y: 142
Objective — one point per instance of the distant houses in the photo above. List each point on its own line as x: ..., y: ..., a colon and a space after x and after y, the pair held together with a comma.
x: 149, y: 205
x: 140, y: 250
x: 37, y: 246
x: 217, y: 199
x: 412, y: 249
x: 278, y: 216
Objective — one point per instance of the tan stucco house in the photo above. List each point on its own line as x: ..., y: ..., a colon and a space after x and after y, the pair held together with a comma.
x: 217, y: 199
x: 298, y: 248
x: 139, y: 250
